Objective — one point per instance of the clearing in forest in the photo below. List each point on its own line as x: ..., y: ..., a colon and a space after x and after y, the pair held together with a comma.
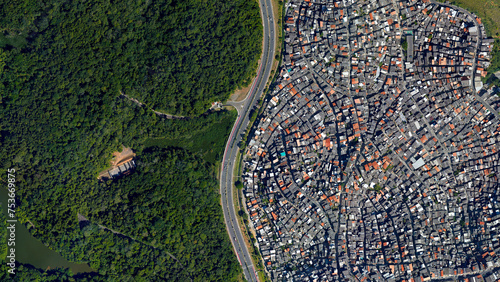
x: 119, y: 158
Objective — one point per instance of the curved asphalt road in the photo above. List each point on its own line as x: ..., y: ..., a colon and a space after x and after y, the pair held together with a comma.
x: 228, y: 162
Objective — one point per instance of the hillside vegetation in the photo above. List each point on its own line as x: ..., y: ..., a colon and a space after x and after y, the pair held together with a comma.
x: 176, y: 56
x: 62, y: 65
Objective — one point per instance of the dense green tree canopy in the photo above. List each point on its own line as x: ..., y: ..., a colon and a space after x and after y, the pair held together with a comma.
x: 176, y: 56
x: 171, y: 203
x: 62, y: 66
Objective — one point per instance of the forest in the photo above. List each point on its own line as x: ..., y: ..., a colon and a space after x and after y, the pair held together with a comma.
x: 62, y: 66
x: 169, y: 204
x: 176, y: 56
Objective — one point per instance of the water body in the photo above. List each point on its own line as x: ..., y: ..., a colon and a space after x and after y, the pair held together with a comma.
x: 30, y: 250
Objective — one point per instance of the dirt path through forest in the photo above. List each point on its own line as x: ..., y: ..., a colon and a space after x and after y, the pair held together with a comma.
x: 83, y: 218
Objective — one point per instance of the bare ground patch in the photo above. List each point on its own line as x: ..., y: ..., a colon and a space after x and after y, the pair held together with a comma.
x: 119, y: 158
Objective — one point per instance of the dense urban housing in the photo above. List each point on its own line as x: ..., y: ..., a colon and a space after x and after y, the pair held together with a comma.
x: 376, y: 157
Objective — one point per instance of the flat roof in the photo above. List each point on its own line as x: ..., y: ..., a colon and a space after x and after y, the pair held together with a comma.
x: 418, y: 164
x: 409, y: 40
